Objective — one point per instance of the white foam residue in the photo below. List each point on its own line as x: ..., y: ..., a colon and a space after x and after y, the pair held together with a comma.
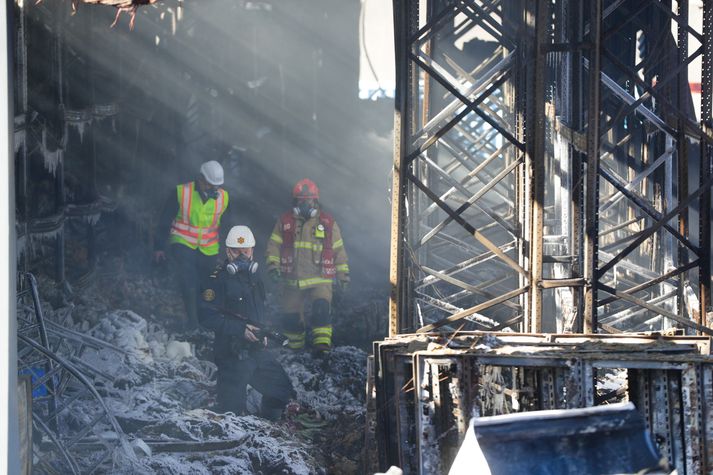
x: 19, y: 139
x: 80, y: 127
x: 53, y: 158
x: 320, y: 383
x: 160, y: 388
x: 177, y: 350
x: 20, y: 246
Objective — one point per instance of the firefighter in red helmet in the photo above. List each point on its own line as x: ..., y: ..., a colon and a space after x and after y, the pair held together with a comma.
x: 306, y: 255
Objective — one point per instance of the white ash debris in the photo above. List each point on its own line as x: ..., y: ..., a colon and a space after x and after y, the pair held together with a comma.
x: 479, y: 318
x: 488, y: 342
x: 19, y: 140
x: 52, y: 158
x: 333, y: 384
x: 161, y: 392
x: 228, y: 463
x: 177, y: 350
x: 140, y: 448
x: 80, y: 126
x: 161, y: 388
x: 157, y: 377
x: 126, y: 330
x: 612, y: 380
x: 202, y: 425
x: 272, y: 448
x: 130, y: 332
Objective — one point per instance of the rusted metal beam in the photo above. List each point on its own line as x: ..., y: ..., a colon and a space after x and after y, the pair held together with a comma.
x: 591, y: 206
x: 403, y: 20
x: 535, y: 161
x: 706, y: 159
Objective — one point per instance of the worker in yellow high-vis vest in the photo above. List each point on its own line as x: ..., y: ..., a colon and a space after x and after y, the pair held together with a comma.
x: 306, y: 255
x: 191, y: 220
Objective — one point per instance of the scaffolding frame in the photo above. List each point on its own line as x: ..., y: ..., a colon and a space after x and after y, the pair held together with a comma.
x: 548, y: 173
x: 550, y: 177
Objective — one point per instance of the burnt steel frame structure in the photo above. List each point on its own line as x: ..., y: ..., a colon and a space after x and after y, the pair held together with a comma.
x: 51, y: 140
x: 54, y: 359
x: 549, y: 177
x: 424, y: 395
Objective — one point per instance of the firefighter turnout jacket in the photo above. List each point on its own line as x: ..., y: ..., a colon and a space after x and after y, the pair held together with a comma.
x: 307, y: 252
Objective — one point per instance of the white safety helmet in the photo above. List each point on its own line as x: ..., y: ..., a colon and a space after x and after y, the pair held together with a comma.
x: 212, y: 171
x: 240, y: 237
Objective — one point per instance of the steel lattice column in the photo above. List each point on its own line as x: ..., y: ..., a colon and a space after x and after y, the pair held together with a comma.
x: 541, y: 167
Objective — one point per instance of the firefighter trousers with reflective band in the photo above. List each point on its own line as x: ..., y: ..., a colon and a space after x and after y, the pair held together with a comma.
x: 307, y: 307
x: 261, y: 371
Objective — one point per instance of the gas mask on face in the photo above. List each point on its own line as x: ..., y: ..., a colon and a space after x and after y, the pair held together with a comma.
x: 242, y: 264
x: 305, y: 209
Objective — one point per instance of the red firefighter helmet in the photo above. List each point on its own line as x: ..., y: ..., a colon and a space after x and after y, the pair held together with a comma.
x: 305, y: 188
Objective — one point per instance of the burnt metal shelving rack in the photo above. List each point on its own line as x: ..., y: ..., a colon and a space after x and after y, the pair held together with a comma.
x: 552, y: 177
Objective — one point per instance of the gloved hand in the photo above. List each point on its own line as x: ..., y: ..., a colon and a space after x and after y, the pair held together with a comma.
x: 252, y: 335
x: 274, y: 275
x: 343, y: 285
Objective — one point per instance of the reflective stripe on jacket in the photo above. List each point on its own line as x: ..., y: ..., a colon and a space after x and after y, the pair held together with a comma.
x: 197, y: 224
x: 322, y: 242
x: 305, y: 254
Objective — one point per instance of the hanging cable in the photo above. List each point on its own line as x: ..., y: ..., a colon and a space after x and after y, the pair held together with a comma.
x: 362, y: 38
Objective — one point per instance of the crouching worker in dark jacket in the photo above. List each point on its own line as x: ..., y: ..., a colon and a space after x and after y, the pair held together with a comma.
x: 233, y: 288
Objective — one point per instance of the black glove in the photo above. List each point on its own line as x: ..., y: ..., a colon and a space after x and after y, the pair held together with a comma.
x: 274, y: 275
x: 343, y: 285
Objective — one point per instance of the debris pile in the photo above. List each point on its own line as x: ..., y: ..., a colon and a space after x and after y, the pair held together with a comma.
x: 162, y: 391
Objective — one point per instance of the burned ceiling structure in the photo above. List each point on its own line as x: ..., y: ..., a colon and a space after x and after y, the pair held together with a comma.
x: 111, y: 111
x: 108, y: 119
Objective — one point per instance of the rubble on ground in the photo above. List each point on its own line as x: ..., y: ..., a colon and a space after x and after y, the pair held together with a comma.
x: 162, y: 390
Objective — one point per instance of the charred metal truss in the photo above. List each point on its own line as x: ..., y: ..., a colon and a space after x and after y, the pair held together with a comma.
x: 427, y: 388
x: 550, y: 171
x: 75, y: 431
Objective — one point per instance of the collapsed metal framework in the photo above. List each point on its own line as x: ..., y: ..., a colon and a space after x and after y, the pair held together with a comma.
x: 77, y: 432
x: 426, y: 388
x: 550, y: 171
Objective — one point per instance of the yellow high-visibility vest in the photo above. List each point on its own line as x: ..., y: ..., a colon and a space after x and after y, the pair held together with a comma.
x: 197, y: 224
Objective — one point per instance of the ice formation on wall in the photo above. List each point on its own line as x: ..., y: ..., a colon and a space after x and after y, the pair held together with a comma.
x: 53, y: 158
